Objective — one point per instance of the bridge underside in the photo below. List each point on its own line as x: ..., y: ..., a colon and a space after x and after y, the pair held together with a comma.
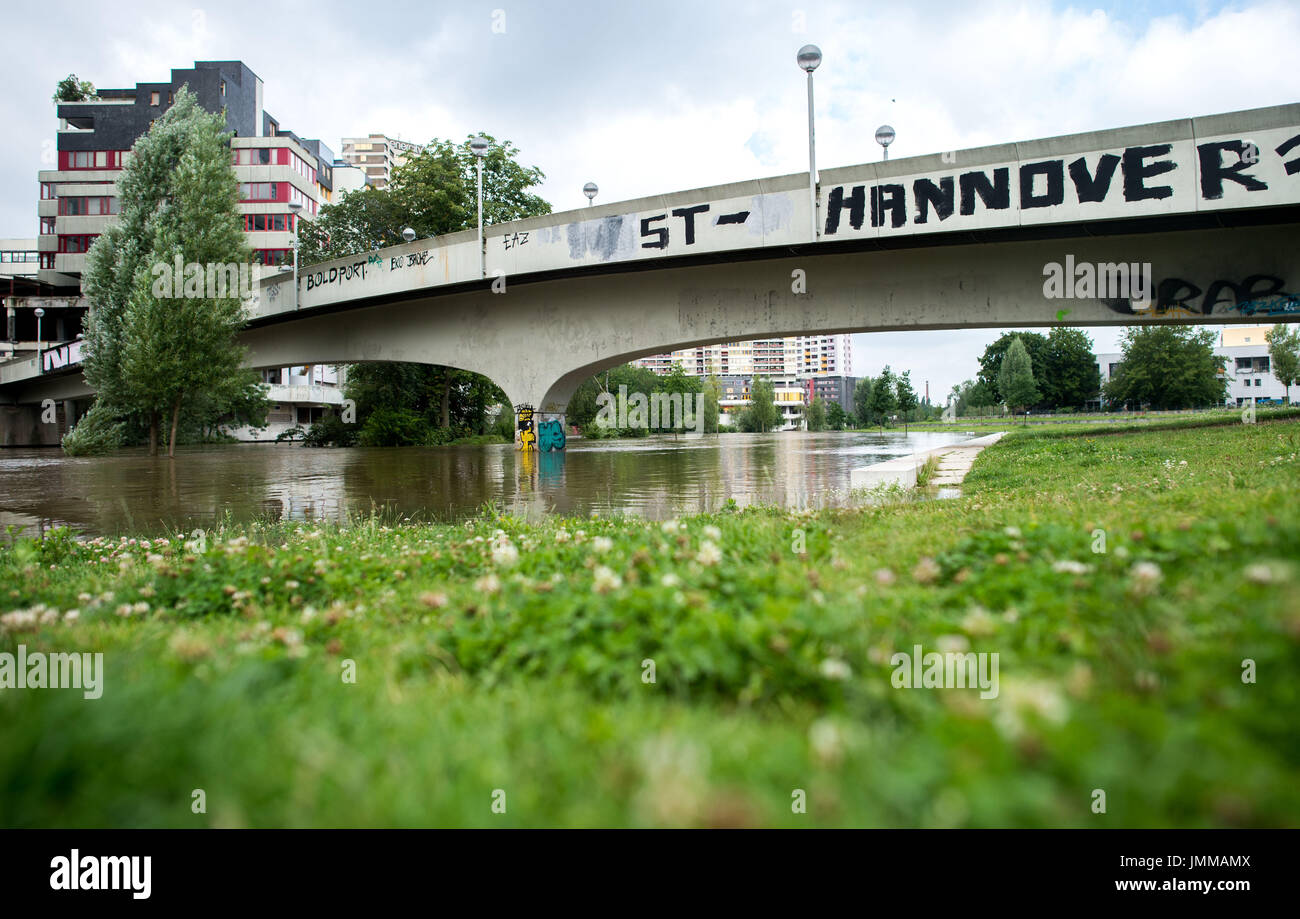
x: 539, y: 340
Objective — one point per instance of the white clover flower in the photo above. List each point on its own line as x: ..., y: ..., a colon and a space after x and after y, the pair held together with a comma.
x: 48, y: 616
x: 885, y: 577
x: 562, y: 536
x: 504, y: 554
x: 1069, y: 566
x: 835, y: 669
x: 18, y: 620
x: 605, y: 580
x: 670, y: 580
x: 602, y: 544
x: 712, y: 532
x: 72, y: 615
x: 670, y: 526
x: 488, y: 584
x: 1147, y: 573
x: 1013, y: 532
x: 709, y: 554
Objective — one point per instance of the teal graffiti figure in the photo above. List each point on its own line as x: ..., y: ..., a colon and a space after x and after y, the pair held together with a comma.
x: 550, y: 436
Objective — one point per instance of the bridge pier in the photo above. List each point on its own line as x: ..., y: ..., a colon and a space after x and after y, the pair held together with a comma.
x: 539, y: 431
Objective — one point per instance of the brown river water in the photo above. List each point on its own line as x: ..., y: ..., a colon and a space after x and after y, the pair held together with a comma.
x: 655, y: 477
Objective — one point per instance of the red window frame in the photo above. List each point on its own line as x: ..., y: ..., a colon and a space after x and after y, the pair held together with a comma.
x: 87, y: 240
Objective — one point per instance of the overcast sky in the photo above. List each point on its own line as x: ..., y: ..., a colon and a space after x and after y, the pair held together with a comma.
x: 661, y: 96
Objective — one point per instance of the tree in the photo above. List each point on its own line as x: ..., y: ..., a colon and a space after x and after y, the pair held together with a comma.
x: 973, y: 396
x: 836, y: 417
x: 434, y: 192
x: 884, y: 396
x: 157, y: 343
x: 1016, y: 378
x: 991, y: 362
x: 70, y: 89
x: 1167, y: 367
x: 712, y: 396
x: 1068, y: 374
x: 1284, y: 355
x: 815, y: 415
x: 862, y: 402
x: 404, y: 404
x: 906, y: 396
x: 762, y: 414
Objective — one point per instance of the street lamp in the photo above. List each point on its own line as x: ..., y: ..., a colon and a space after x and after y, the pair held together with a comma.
x: 590, y: 190
x: 479, y: 147
x: 295, y: 208
x: 39, y: 343
x: 885, y: 137
x: 809, y: 58
x: 409, y: 235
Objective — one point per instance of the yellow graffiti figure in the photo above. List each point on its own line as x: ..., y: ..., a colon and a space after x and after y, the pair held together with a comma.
x: 526, y: 428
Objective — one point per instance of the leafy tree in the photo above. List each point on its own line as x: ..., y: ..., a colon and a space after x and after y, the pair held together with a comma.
x: 815, y: 415
x: 413, y: 404
x: 153, y: 349
x: 762, y: 414
x: 70, y: 89
x: 905, y: 395
x: 1068, y: 374
x: 884, y: 397
x: 1167, y: 367
x: 1016, y: 378
x: 836, y: 417
x: 1284, y: 355
x: 862, y: 401
x: 712, y: 396
x: 434, y: 193
x: 991, y: 362
x: 973, y: 396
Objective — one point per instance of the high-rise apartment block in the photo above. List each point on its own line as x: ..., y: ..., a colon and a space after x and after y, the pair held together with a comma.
x: 378, y: 155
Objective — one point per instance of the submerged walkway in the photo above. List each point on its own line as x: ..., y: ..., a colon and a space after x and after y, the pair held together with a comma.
x: 955, y: 461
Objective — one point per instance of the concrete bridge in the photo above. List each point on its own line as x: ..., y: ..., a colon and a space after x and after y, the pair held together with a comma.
x: 1194, y: 220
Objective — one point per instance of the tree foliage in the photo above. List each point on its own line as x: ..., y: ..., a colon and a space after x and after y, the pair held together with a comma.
x: 884, y: 397
x: 815, y: 415
x: 1284, y: 355
x: 434, y: 193
x: 1167, y: 367
x: 1016, y: 378
x: 70, y: 89
x: 405, y: 404
x: 762, y: 414
x: 154, y: 351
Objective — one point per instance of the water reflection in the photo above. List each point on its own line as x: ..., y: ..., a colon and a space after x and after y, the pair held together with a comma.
x: 658, y: 477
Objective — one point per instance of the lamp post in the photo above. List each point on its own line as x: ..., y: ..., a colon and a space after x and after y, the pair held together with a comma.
x: 590, y: 190
x: 885, y: 137
x: 809, y: 58
x: 40, y: 344
x: 479, y: 147
x: 409, y: 235
x: 295, y: 207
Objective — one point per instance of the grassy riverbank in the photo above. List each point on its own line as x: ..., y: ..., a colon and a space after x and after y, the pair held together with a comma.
x: 513, y: 656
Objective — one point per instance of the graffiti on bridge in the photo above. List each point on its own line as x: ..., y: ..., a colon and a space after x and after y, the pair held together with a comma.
x: 1256, y: 295
x: 526, y: 428
x: 550, y: 436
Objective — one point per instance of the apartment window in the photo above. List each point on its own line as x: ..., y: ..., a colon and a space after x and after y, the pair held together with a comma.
x: 223, y: 88
x: 76, y: 245
x: 253, y: 156
x: 88, y: 207
x: 47, y: 226
x: 153, y: 98
x: 95, y: 159
x: 273, y: 257
x: 47, y: 260
x: 48, y: 191
x: 259, y: 191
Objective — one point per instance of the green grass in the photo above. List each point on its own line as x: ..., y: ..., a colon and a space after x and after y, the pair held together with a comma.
x: 477, y: 670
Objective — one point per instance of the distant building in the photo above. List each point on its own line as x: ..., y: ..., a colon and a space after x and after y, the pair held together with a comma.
x: 78, y: 199
x: 377, y: 155
x: 798, y: 357
x: 18, y: 259
x: 788, y: 394
x: 1248, y: 367
x: 833, y: 389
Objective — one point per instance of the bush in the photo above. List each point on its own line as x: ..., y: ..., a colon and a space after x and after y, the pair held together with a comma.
x: 394, y: 427
x: 97, y: 433
x: 330, y: 431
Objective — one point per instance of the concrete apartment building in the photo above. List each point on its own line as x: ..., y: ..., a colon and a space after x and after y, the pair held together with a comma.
x: 800, y: 368
x: 1248, y: 367
x: 276, y: 168
x: 377, y: 155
